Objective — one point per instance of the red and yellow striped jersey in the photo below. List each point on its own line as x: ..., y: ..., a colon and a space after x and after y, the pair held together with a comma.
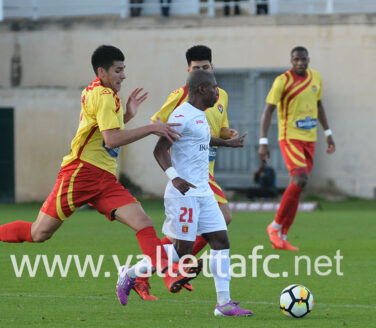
x: 216, y: 115
x: 101, y: 110
x: 296, y: 98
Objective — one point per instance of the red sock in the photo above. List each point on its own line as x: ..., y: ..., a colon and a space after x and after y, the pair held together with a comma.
x: 199, y: 244
x: 148, y: 240
x: 16, y: 232
x: 166, y: 241
x: 288, y: 206
x: 286, y: 226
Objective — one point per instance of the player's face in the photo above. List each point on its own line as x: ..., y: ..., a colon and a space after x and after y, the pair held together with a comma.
x: 114, y: 76
x: 299, y: 61
x: 211, y: 94
x: 204, y: 65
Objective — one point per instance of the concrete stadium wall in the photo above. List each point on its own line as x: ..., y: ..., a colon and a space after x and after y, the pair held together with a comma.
x: 55, y: 58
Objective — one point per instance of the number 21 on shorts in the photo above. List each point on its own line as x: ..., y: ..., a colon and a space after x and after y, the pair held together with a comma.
x: 183, y: 214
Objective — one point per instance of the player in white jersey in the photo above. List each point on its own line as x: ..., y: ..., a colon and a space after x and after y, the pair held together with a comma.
x: 190, y: 206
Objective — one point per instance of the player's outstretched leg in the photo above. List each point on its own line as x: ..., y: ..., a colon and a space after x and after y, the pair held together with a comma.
x: 39, y: 231
x: 16, y: 232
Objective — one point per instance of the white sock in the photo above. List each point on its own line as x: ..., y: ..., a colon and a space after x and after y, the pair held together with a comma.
x: 139, y: 268
x: 223, y: 297
x: 277, y: 226
x: 220, y: 268
x: 171, y: 252
x: 145, y: 266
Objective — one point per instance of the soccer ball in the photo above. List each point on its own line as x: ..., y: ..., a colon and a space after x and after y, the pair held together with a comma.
x: 296, y: 301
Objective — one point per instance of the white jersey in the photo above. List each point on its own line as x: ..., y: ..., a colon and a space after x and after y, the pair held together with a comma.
x: 190, y: 155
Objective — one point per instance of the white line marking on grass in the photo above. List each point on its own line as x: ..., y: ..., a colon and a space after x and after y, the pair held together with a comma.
x: 168, y: 300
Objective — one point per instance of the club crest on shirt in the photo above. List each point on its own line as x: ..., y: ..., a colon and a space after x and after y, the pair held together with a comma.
x: 314, y: 88
x: 184, y: 228
x: 220, y: 108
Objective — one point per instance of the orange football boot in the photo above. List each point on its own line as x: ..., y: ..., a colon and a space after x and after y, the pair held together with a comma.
x: 275, y: 239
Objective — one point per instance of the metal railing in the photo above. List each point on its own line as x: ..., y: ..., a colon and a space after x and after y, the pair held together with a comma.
x: 36, y: 9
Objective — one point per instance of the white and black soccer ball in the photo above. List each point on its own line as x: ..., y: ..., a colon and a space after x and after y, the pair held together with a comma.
x: 296, y: 301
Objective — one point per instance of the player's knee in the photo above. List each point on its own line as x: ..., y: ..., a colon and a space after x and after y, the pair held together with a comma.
x: 220, y: 243
x: 184, y: 250
x: 301, y: 180
x: 144, y: 221
x: 40, y: 236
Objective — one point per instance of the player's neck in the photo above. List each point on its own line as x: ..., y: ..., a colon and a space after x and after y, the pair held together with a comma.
x: 300, y: 75
x: 197, y: 104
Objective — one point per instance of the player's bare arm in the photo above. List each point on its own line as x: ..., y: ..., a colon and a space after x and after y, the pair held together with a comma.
x: 164, y: 160
x: 134, y: 101
x: 234, y: 143
x: 116, y: 138
x: 227, y: 133
x: 266, y: 120
x: 324, y: 123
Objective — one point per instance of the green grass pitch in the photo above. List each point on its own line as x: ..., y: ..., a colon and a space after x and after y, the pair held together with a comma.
x: 346, y: 300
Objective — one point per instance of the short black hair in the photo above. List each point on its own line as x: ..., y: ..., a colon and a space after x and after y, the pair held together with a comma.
x: 197, y: 53
x: 299, y: 48
x: 198, y: 78
x: 104, y: 56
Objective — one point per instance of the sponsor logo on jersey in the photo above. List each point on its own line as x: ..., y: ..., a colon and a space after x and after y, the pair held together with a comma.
x: 199, y: 121
x: 220, y: 108
x: 306, y: 124
x: 314, y: 88
x: 212, y: 153
x: 204, y: 147
x: 114, y: 152
x: 176, y: 91
x: 184, y: 228
x: 179, y: 115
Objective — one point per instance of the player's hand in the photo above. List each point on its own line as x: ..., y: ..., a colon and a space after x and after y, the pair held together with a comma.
x: 182, y: 185
x: 264, y: 153
x: 331, y: 145
x: 236, y: 142
x: 233, y: 133
x: 227, y: 133
x: 166, y: 130
x: 134, y: 101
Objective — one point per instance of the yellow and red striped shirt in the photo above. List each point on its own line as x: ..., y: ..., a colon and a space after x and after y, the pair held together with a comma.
x: 216, y: 115
x: 101, y: 109
x: 296, y: 98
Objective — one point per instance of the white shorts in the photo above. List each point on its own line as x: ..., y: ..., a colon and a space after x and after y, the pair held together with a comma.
x: 187, y: 217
